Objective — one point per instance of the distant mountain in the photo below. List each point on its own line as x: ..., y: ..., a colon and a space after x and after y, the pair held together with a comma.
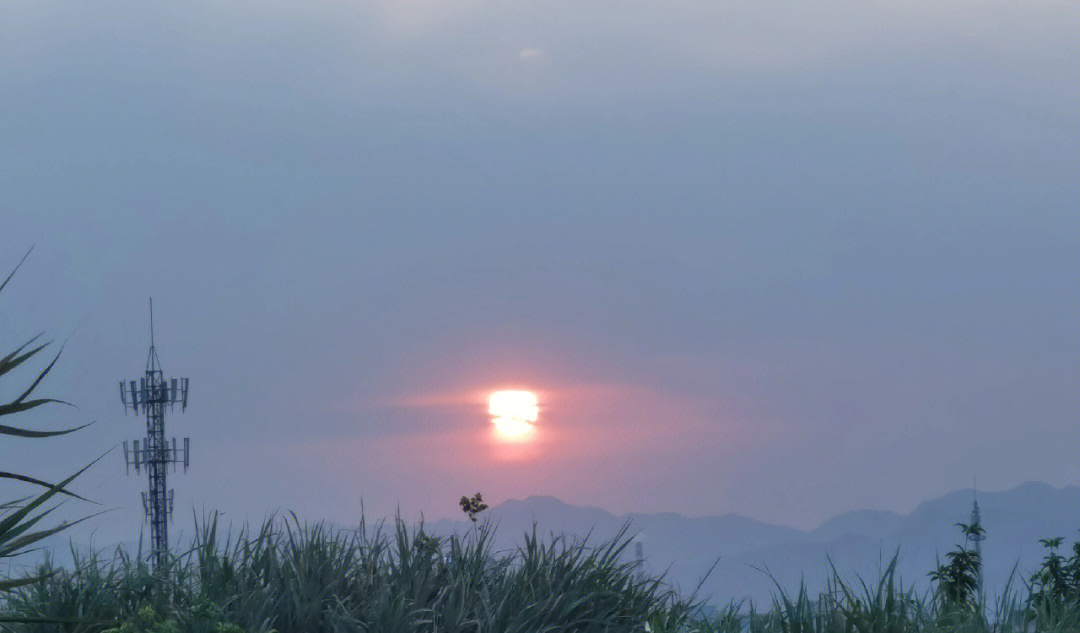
x: 867, y: 523
x: 752, y: 557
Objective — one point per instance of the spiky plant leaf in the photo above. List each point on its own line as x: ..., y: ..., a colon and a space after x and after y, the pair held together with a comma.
x: 17, y: 519
x: 13, y: 359
x: 38, y: 482
x: 17, y: 432
x: 8, y: 585
x: 18, y: 544
x: 12, y: 523
x: 14, y: 270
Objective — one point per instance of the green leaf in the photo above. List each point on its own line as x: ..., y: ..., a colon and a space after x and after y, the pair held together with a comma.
x: 8, y: 524
x: 34, y: 537
x: 8, y: 585
x: 14, y: 503
x: 13, y: 360
x: 41, y: 376
x: 37, y: 482
x: 24, y: 526
x: 12, y: 273
x: 8, y: 619
x: 11, y: 430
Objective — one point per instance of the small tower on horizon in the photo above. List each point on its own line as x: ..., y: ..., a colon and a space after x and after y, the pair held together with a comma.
x: 149, y: 397
x: 975, y: 539
x: 639, y: 556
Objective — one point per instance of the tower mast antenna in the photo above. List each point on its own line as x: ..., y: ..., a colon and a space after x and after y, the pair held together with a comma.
x: 149, y: 397
x: 976, y: 538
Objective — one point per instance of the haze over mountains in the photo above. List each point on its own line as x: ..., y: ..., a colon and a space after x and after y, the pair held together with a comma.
x: 858, y: 543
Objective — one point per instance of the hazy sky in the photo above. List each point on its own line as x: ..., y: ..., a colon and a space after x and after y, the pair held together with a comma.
x: 778, y: 258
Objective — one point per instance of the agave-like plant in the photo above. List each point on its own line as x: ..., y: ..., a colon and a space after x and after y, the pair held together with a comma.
x: 17, y: 517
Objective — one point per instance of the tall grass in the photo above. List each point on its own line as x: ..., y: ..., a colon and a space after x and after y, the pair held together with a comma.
x: 291, y: 577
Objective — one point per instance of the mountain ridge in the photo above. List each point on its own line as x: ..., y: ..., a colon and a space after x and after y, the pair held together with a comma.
x: 855, y: 543
x: 731, y: 551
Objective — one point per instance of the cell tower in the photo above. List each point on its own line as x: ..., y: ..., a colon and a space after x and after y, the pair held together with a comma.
x: 976, y: 538
x: 149, y: 397
x: 639, y: 556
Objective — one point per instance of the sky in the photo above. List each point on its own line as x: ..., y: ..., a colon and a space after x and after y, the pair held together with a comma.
x: 780, y: 259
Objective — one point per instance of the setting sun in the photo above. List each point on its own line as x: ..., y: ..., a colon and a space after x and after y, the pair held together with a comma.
x: 513, y: 413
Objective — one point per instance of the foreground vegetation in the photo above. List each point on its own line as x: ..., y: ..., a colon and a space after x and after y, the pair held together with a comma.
x: 294, y: 578
x: 20, y: 519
